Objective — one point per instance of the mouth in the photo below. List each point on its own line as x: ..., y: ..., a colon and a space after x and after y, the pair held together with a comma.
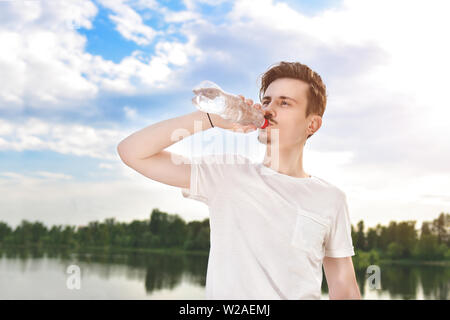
x: 269, y: 120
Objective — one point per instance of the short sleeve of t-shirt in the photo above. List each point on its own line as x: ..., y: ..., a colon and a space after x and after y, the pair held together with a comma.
x: 208, y: 172
x: 339, y: 241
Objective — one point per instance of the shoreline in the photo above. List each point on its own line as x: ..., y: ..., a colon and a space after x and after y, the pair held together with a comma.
x: 109, y: 249
x: 442, y: 263
x: 81, y: 250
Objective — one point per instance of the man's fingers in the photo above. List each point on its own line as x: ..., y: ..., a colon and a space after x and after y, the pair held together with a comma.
x: 247, y: 101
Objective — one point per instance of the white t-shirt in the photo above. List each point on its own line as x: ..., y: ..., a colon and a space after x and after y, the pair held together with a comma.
x: 269, y: 231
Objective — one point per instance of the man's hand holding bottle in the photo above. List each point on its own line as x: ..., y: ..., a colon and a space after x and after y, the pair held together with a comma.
x: 226, y: 124
x: 228, y: 111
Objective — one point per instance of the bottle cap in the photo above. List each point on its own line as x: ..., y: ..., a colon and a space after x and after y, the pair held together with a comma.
x: 266, y: 123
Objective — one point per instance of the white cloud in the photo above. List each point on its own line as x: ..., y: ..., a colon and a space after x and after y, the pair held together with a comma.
x: 106, y: 166
x: 19, y: 15
x: 37, y: 41
x: 145, y: 4
x: 38, y: 38
x: 53, y: 175
x: 129, y: 23
x: 74, y: 139
x: 181, y: 16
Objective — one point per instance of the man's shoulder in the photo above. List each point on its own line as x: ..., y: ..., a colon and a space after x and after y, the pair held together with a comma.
x: 332, y: 189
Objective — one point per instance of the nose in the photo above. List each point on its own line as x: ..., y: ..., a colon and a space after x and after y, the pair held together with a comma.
x: 269, y: 112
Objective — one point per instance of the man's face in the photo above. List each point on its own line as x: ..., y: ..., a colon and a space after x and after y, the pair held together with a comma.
x: 288, y: 113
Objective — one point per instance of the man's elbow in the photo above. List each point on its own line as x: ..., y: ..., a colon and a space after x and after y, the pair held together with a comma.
x: 122, y: 153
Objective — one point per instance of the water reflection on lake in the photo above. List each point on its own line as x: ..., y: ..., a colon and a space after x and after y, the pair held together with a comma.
x: 42, y: 274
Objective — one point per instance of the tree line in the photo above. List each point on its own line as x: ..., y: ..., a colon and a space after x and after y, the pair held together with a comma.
x: 398, y: 240
x: 162, y: 230
x: 401, y: 240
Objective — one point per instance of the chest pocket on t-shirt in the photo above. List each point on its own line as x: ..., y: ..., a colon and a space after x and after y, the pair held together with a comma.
x: 309, y: 232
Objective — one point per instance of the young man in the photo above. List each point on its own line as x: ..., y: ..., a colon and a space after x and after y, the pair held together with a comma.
x: 273, y: 225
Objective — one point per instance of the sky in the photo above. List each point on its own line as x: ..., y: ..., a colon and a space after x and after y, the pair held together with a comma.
x: 77, y: 77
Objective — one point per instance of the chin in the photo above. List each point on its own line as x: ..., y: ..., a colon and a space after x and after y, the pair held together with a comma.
x: 264, y: 138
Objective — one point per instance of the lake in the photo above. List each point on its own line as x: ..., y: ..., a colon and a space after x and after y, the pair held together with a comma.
x: 43, y: 274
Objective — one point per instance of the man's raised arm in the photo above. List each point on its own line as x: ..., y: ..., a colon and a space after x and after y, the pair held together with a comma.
x: 144, y: 152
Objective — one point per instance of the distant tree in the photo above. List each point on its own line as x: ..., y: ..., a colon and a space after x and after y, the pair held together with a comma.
x: 158, y: 222
x: 406, y: 236
x: 360, y: 241
x: 5, y: 231
x: 441, y: 228
x: 198, y: 235
x: 68, y: 236
x: 372, y: 239
x: 425, y: 229
x: 394, y: 250
x: 427, y: 247
x: 383, y: 239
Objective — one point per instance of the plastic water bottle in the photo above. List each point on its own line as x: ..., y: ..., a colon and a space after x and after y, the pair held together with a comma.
x: 209, y: 97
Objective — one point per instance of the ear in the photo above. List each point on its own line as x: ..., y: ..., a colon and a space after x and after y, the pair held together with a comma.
x: 315, y: 124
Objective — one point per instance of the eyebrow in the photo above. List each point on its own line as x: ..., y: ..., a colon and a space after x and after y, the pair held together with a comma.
x: 280, y: 97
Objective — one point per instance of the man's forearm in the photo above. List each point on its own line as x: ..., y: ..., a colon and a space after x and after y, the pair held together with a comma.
x: 345, y: 291
x: 158, y: 136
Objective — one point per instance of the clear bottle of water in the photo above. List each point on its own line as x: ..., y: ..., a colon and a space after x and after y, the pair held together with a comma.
x: 209, y: 97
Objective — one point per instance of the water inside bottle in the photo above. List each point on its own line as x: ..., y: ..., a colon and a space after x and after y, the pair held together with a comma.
x: 205, y: 104
x: 209, y: 97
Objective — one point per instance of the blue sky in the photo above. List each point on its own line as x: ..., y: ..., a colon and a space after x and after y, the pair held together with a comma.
x: 104, y: 40
x: 77, y: 77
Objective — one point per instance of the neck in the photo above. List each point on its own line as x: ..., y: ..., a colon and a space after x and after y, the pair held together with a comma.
x: 286, y: 160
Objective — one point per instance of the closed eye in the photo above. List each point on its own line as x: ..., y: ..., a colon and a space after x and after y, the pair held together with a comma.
x: 265, y: 102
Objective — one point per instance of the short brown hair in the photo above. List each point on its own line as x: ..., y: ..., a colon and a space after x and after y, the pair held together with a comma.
x: 317, y: 93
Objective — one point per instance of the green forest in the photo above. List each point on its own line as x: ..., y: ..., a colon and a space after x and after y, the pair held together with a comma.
x: 396, y: 241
